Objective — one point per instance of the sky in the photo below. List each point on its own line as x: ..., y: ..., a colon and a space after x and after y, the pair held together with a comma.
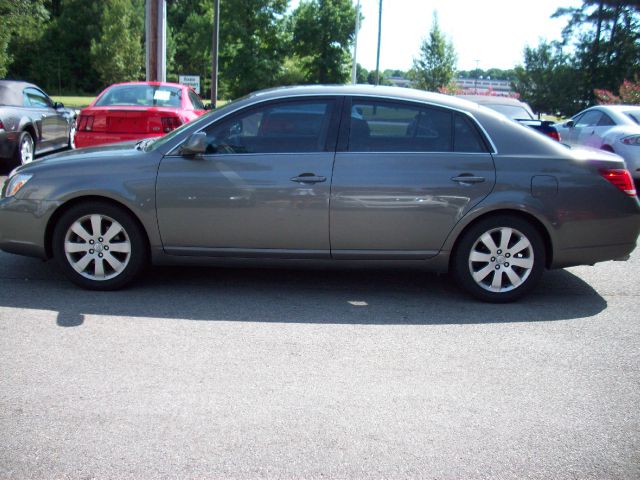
x: 491, y: 32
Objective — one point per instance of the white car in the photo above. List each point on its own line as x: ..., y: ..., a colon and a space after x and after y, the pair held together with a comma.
x: 615, y: 128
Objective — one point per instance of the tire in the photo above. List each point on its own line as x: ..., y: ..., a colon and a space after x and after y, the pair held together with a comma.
x: 482, y: 265
x: 99, y: 246
x: 25, y: 149
x: 72, y: 136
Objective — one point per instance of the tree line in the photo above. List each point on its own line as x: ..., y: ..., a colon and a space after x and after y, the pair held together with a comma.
x: 80, y: 46
x: 73, y: 46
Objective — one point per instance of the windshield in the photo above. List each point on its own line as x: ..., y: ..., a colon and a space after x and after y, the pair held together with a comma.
x: 514, y: 112
x: 634, y: 115
x: 141, y: 96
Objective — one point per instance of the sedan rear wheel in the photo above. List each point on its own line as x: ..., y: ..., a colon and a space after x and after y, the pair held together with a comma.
x: 99, y: 246
x: 499, y: 259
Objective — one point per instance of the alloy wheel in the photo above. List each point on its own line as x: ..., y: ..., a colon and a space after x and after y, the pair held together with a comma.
x: 501, y: 259
x: 97, y: 247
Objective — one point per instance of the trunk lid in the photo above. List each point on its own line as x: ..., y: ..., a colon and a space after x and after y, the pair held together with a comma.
x: 129, y: 119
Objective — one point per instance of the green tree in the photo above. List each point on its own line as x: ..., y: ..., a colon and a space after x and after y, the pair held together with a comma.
x: 436, y: 65
x: 322, y: 33
x: 548, y: 81
x: 605, y: 36
x: 117, y: 53
x: 18, y: 19
x: 253, y: 37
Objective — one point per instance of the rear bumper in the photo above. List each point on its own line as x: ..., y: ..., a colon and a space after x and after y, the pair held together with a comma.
x: 93, y: 139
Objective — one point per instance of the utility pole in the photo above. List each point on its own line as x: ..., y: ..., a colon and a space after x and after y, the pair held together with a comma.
x: 156, y: 40
x: 214, y: 52
x: 379, y: 37
x: 354, y: 67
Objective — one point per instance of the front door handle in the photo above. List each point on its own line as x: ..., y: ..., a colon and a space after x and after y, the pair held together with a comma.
x: 309, y: 178
x: 467, y: 178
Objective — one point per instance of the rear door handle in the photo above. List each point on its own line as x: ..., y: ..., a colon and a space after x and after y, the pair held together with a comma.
x: 468, y: 179
x: 309, y: 178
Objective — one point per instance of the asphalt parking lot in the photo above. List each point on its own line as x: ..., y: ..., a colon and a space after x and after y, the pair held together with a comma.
x: 251, y: 373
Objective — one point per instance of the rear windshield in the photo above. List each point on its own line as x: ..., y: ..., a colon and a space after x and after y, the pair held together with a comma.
x: 635, y: 116
x: 514, y: 112
x: 141, y: 96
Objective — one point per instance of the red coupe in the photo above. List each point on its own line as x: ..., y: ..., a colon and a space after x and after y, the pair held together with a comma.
x: 136, y: 110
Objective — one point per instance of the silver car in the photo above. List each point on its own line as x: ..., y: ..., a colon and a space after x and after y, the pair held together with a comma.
x: 614, y: 128
x: 340, y: 175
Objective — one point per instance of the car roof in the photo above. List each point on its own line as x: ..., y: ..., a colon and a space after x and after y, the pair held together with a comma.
x: 153, y: 84
x: 11, y: 91
x: 493, y: 100
x: 378, y: 91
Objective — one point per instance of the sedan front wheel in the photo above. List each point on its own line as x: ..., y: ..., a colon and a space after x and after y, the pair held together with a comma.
x: 99, y: 246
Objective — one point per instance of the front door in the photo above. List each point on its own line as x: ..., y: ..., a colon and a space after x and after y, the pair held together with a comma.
x: 407, y: 174
x: 262, y: 188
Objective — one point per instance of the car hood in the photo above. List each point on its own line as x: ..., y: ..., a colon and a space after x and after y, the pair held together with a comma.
x: 116, y: 152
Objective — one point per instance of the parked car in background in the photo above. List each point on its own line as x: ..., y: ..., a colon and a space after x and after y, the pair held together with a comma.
x: 136, y: 110
x: 31, y: 123
x: 614, y: 128
x: 329, y: 175
x: 515, y: 110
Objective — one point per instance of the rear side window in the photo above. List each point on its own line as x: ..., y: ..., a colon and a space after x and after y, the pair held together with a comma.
x: 287, y: 127
x: 466, y: 137
x: 377, y: 126
x: 606, y: 121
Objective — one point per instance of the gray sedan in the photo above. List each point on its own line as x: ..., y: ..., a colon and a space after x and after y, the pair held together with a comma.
x: 329, y: 175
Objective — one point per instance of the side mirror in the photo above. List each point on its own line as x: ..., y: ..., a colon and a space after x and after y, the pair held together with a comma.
x: 196, y: 144
x: 208, y: 106
x: 58, y: 105
x: 570, y: 124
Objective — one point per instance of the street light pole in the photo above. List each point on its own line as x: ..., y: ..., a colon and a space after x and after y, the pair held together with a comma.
x: 354, y: 68
x: 214, y: 52
x: 379, y: 37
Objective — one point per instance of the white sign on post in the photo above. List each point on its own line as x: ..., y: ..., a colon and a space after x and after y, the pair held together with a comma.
x: 192, y: 81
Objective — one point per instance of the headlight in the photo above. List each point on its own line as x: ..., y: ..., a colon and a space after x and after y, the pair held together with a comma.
x: 632, y: 140
x: 15, y: 183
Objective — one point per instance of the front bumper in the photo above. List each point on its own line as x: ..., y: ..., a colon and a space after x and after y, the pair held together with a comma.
x: 23, y: 224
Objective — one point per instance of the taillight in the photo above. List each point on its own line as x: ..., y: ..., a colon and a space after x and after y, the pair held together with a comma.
x: 1, y: 125
x: 555, y: 135
x: 621, y: 178
x: 85, y: 123
x: 632, y: 140
x: 170, y: 123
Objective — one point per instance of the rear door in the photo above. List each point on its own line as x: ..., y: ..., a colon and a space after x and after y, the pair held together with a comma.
x: 404, y: 174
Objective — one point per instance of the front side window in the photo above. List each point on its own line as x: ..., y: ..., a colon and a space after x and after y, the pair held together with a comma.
x: 195, y: 100
x: 287, y: 127
x: 37, y: 99
x: 589, y: 119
